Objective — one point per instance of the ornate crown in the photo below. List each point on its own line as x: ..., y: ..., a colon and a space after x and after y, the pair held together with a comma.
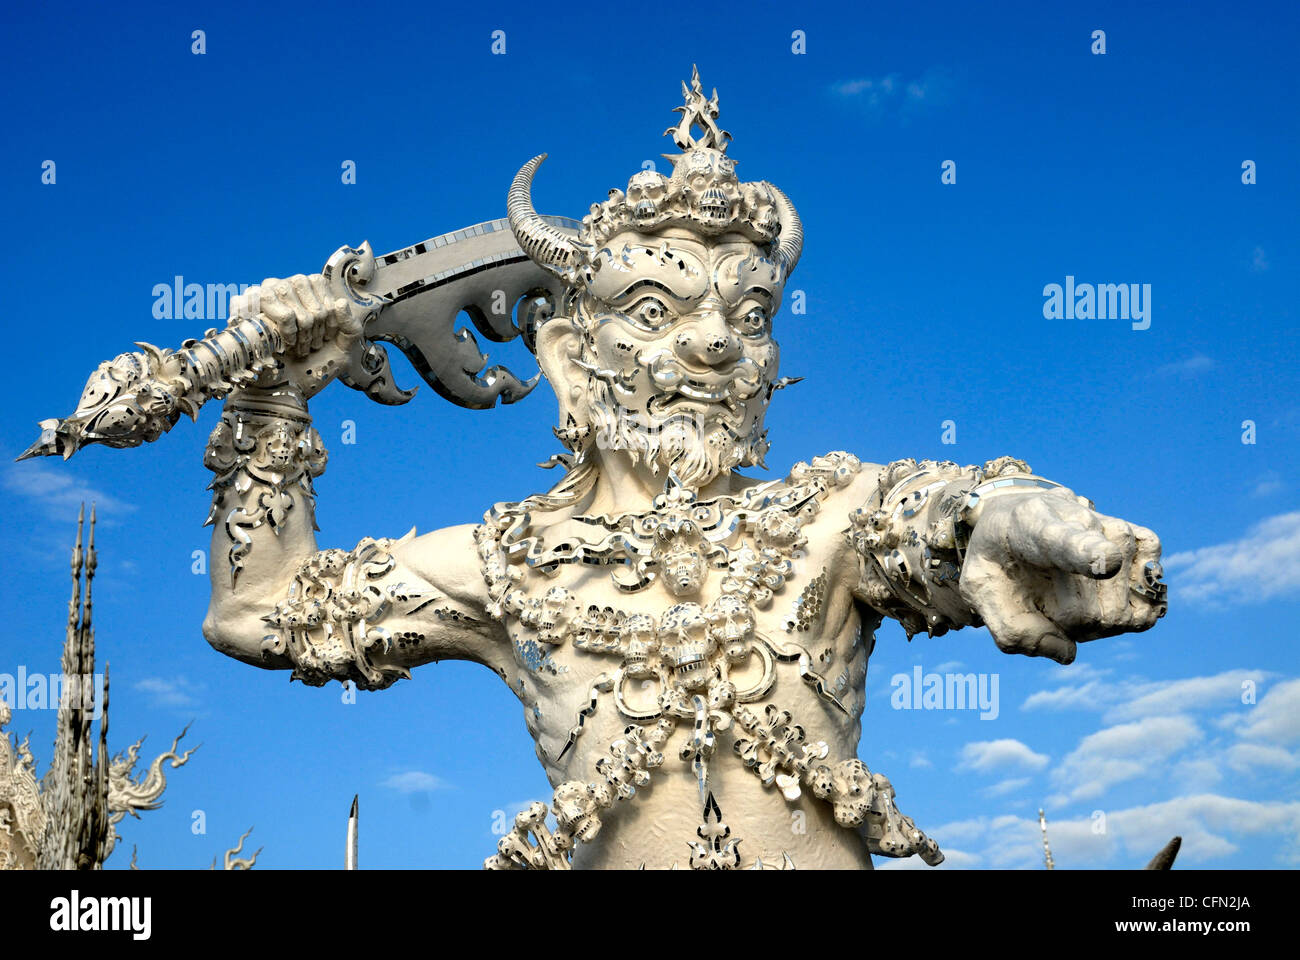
x: 702, y: 195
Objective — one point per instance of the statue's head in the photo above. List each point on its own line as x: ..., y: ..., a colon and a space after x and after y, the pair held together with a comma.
x: 662, y: 347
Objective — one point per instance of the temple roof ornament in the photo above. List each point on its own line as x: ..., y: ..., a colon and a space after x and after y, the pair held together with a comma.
x: 68, y: 820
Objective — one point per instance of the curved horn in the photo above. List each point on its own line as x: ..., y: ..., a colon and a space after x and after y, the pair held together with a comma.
x: 790, y: 244
x: 544, y: 244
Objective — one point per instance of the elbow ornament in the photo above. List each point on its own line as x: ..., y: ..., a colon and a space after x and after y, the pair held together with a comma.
x: 912, y: 537
x: 329, y: 624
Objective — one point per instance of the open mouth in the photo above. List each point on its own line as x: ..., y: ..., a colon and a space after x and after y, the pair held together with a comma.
x: 715, y: 205
x: 725, y: 410
x: 706, y: 393
x: 689, y: 666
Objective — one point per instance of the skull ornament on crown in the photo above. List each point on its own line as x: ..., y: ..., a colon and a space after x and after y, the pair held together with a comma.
x: 671, y: 289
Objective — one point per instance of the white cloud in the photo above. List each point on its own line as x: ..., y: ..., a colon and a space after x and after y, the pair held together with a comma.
x: 853, y: 88
x: 986, y: 755
x: 1121, y: 649
x: 1121, y: 753
x: 1211, y: 826
x: 892, y: 92
x: 920, y: 760
x: 57, y: 489
x: 1007, y: 841
x: 1134, y: 698
x: 1004, y: 787
x: 519, y: 806
x: 952, y: 860
x: 1207, y: 822
x: 1198, y: 773
x: 1276, y: 718
x: 1089, y: 695
x: 1249, y: 757
x: 1010, y: 842
x: 1263, y: 565
x: 1188, y: 366
x: 176, y: 692
x: 1175, y: 696
x: 1156, y: 746
x: 1268, y: 484
x: 413, y: 781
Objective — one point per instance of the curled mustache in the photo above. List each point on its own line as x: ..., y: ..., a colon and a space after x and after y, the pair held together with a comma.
x: 742, y: 381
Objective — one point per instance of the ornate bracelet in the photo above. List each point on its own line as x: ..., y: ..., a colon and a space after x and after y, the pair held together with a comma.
x: 329, y: 622
x: 263, y: 447
x: 912, y: 537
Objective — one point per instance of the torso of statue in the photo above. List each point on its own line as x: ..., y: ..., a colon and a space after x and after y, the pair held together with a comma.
x: 729, y: 627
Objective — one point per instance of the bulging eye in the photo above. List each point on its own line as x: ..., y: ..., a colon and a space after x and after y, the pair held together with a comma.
x: 752, y: 322
x: 650, y: 312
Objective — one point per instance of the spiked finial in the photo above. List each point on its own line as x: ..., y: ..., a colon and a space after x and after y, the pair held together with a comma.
x: 1047, y: 850
x: 698, y: 112
x: 350, y: 857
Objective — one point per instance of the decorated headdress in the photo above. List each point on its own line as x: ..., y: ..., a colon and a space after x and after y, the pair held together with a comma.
x: 702, y: 195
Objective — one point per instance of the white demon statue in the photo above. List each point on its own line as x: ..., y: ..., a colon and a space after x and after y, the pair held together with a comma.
x: 689, y: 644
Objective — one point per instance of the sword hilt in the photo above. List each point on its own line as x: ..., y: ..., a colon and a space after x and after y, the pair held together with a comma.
x: 137, y: 397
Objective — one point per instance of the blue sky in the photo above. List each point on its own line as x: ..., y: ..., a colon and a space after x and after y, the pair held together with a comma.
x: 925, y: 304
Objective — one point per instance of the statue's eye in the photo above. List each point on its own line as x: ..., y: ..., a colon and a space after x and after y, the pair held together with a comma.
x: 753, y: 322
x: 651, y: 312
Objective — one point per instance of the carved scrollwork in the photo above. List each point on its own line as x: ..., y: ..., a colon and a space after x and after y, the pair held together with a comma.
x: 262, y: 460
x: 22, y: 815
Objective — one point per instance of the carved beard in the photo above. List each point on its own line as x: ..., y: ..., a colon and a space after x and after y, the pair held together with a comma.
x: 695, y: 448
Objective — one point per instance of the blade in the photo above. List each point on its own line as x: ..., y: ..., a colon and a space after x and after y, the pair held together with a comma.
x: 479, y: 271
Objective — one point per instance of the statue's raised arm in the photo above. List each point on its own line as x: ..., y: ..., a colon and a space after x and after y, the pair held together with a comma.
x: 277, y: 601
x: 367, y: 615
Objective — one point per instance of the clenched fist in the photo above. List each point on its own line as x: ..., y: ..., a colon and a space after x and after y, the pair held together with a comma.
x: 1045, y: 572
x: 317, y: 327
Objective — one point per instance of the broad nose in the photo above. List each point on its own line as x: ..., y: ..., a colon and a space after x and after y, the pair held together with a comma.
x: 705, y: 340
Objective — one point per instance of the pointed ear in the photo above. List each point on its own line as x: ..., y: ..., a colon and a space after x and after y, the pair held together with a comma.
x: 558, y: 344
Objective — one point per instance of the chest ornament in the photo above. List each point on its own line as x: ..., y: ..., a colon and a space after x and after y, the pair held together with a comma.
x: 749, y: 542
x: 696, y: 665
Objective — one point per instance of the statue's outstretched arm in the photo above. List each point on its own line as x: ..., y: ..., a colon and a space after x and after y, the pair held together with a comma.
x: 366, y: 615
x: 943, y: 546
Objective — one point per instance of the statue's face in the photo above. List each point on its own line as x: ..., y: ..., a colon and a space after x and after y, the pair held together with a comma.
x: 679, y: 350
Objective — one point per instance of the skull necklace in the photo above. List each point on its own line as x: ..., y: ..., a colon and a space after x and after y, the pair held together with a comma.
x: 686, y: 655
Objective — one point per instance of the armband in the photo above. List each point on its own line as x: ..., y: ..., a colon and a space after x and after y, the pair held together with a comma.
x: 911, y: 537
